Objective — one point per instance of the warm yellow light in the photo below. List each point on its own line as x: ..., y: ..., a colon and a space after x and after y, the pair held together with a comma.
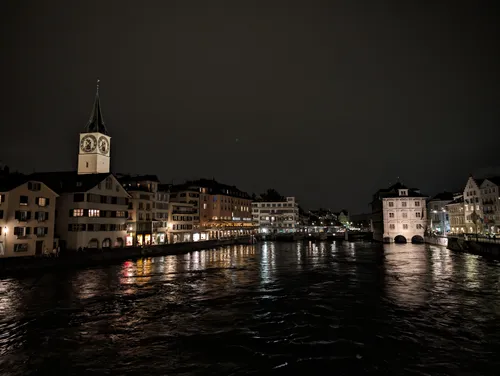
x: 5, y: 230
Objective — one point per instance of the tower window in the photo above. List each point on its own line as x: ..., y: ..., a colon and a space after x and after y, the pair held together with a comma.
x: 87, y: 164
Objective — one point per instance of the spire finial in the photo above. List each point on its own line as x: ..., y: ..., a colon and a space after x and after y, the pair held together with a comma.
x: 98, y: 80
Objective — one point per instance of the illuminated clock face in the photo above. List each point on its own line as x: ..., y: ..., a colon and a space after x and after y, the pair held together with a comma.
x: 88, y: 144
x: 103, y: 145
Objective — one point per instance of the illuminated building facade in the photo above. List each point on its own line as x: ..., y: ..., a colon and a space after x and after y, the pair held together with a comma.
x: 438, y: 221
x: 398, y: 214
x: 276, y: 216
x: 221, y: 210
x: 490, y: 200
x: 27, y: 217
x: 456, y: 215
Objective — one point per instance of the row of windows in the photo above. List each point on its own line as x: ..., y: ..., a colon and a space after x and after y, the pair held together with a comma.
x: 405, y: 215
x: 97, y: 227
x: 182, y: 218
x: 25, y: 200
x: 98, y: 213
x: 99, y: 199
x: 182, y: 227
x: 418, y: 226
x: 23, y: 215
x: 275, y: 211
x: 403, y: 204
x: 278, y: 205
x: 21, y: 232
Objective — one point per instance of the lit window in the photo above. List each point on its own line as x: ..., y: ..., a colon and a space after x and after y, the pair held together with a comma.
x: 42, y: 201
x: 94, y: 212
x: 204, y: 205
x: 77, y: 212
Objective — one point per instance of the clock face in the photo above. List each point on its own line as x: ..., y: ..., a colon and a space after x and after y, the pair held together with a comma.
x: 103, y: 145
x: 88, y: 144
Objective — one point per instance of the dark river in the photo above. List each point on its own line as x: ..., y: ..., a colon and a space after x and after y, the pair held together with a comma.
x: 271, y: 308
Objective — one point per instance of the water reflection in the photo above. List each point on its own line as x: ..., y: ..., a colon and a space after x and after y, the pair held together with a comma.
x: 256, y: 307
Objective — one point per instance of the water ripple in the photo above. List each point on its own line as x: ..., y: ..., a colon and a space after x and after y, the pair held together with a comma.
x: 273, y: 308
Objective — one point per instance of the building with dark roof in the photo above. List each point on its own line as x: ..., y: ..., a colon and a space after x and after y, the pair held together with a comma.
x: 398, y: 214
x: 92, y: 205
x: 147, y: 211
x: 222, y: 210
x: 437, y: 216
x: 27, y: 216
x: 456, y: 217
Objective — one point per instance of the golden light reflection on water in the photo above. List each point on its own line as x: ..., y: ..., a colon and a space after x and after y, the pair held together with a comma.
x: 406, y: 271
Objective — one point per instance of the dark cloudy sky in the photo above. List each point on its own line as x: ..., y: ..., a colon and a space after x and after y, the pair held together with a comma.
x: 329, y: 100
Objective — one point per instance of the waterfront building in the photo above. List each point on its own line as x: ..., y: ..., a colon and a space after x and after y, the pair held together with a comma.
x: 276, y: 216
x: 398, y: 214
x: 181, y: 223
x: 473, y: 206
x: 143, y: 221
x: 221, y: 210
x: 490, y: 201
x: 437, y: 216
x: 27, y: 215
x: 456, y: 215
x: 92, y: 205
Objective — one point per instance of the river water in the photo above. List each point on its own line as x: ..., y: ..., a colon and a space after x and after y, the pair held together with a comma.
x: 271, y: 308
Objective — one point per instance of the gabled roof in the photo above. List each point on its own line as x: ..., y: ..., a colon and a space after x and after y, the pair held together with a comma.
x: 495, y: 180
x: 393, y: 191
x: 69, y: 181
x: 96, y: 121
x: 213, y: 186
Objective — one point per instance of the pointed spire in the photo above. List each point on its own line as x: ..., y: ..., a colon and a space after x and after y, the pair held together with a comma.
x: 96, y: 121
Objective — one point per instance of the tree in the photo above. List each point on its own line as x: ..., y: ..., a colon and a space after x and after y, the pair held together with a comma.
x: 272, y: 195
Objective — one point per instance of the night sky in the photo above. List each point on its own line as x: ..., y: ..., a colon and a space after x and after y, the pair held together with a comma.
x: 327, y: 101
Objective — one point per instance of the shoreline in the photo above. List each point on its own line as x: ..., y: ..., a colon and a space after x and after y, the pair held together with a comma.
x: 30, y: 265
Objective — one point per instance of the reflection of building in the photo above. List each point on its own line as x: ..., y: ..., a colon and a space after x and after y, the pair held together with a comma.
x: 220, y: 210
x: 92, y: 205
x: 456, y: 215
x: 278, y: 216
x: 27, y: 214
x: 490, y: 192
x: 437, y: 216
x: 398, y: 214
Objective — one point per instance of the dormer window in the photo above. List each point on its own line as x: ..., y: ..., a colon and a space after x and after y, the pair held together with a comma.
x: 403, y: 192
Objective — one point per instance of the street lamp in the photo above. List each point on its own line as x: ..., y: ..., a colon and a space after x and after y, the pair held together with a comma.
x: 5, y: 231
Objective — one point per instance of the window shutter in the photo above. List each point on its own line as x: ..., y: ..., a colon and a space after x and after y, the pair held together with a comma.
x: 37, y: 201
x: 37, y: 215
x: 85, y: 212
x: 28, y: 215
x: 46, y: 216
x: 1, y: 214
x: 71, y: 212
x: 47, y: 203
x: 46, y: 230
x: 16, y: 230
x: 70, y: 227
x: 17, y: 214
x: 28, y: 230
x: 126, y: 214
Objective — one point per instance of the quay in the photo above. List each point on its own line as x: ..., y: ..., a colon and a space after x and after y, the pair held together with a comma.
x: 474, y: 244
x: 20, y: 265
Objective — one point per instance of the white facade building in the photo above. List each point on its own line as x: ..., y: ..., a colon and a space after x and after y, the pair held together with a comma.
x: 399, y: 215
x: 490, y: 200
x: 278, y: 216
x: 473, y: 205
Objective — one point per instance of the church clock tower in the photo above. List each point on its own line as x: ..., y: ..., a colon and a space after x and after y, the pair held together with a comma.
x: 95, y: 143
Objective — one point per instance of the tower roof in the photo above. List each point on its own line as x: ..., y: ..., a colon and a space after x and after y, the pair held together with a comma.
x: 96, y: 121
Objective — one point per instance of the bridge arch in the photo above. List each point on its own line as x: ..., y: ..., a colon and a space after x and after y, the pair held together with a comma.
x: 400, y: 239
x: 417, y: 239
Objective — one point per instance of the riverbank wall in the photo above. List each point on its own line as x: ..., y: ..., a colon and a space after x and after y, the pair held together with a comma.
x: 483, y: 248
x: 436, y: 240
x: 88, y: 259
